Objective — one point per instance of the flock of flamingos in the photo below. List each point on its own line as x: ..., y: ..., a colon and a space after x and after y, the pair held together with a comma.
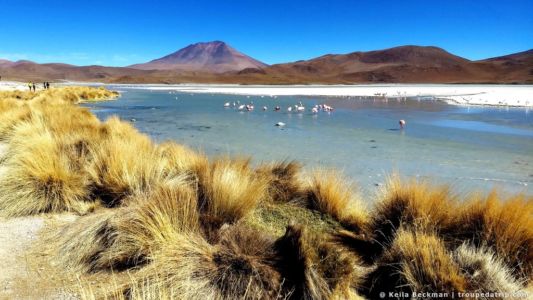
x: 299, y: 108
x: 296, y: 108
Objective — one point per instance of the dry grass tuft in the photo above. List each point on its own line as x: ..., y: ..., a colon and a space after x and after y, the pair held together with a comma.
x: 41, y: 177
x: 179, y: 159
x: 314, y: 269
x: 504, y: 225
x: 414, y: 204
x: 283, y: 180
x: 125, y: 164
x: 486, y: 272
x: 415, y: 262
x: 244, y: 260
x: 11, y: 114
x: 68, y: 94
x: 80, y: 246
x: 331, y: 193
x: 239, y: 267
x: 124, y: 238
x: 230, y: 190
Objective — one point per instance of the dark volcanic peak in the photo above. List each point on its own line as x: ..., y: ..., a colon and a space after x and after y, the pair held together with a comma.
x: 215, y: 56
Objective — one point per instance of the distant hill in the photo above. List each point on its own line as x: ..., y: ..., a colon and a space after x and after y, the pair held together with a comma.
x: 217, y: 57
x: 405, y: 64
x: 216, y: 62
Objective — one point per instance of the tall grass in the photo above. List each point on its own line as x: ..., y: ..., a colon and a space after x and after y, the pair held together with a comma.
x: 504, y: 225
x: 284, y: 183
x: 229, y: 190
x: 415, y: 262
x: 41, y: 176
x: 330, y: 192
x: 124, y: 238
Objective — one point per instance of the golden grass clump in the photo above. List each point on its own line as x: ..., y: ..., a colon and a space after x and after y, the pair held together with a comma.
x: 124, y: 165
x: 504, y: 225
x: 314, y: 269
x: 80, y: 246
x: 415, y: 262
x: 190, y: 268
x: 124, y: 238
x: 230, y: 190
x: 486, y: 272
x: 331, y: 193
x: 180, y: 159
x: 283, y: 180
x: 69, y: 94
x: 41, y: 177
x: 410, y: 203
x: 46, y: 164
x: 10, y: 117
x: 247, y: 264
x: 244, y: 260
x: 183, y: 269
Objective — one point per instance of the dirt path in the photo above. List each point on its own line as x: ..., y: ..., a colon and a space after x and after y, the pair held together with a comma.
x: 16, y: 236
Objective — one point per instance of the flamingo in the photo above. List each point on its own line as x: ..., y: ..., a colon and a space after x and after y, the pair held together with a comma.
x: 226, y: 104
x: 289, y: 109
x: 280, y: 124
x: 300, y: 108
x: 402, y: 123
x: 241, y: 107
x: 314, y: 110
x: 277, y: 108
x: 265, y: 108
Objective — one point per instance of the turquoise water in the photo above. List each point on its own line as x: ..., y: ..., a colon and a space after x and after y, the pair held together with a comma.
x: 474, y: 148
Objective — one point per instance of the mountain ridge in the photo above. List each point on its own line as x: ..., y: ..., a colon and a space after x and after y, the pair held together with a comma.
x: 215, y: 62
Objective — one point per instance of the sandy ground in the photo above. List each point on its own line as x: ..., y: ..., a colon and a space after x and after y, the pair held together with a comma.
x: 16, y: 237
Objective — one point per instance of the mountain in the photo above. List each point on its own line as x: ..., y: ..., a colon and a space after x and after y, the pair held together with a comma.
x: 520, y: 57
x: 405, y: 64
x: 213, y: 57
x: 216, y: 62
x: 5, y: 62
x: 389, y: 65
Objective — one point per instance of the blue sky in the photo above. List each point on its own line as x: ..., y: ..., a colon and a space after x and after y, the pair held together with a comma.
x: 120, y: 33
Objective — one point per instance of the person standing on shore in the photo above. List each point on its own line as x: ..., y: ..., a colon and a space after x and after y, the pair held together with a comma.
x: 29, y: 86
x: 33, y: 85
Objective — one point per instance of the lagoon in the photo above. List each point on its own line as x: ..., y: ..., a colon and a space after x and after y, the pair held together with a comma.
x: 474, y: 148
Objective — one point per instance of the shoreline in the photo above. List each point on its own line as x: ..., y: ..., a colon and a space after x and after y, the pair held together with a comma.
x: 494, y: 95
x: 519, y: 96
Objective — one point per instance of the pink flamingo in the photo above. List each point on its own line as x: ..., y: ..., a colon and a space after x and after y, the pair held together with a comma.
x: 402, y: 123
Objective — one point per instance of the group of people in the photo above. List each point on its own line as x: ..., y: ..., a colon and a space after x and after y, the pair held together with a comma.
x: 31, y: 86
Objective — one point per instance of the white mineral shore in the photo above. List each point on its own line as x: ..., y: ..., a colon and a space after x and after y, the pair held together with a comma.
x: 12, y: 85
x: 463, y: 94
